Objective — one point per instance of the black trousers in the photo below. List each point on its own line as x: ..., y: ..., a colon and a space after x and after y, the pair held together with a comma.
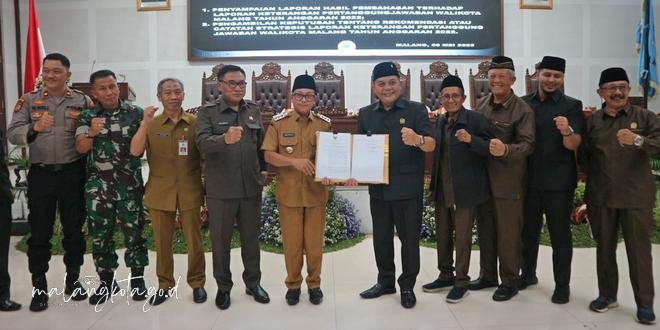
x: 556, y: 205
x: 47, y: 192
x: 246, y: 212
x: 5, y: 230
x: 406, y: 216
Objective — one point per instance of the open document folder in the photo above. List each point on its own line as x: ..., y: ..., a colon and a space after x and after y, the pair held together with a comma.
x: 340, y: 156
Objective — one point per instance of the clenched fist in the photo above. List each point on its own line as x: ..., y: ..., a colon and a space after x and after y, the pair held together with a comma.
x: 463, y: 136
x: 233, y: 134
x: 497, y: 148
x: 562, y: 125
x: 625, y: 137
x: 409, y: 137
x: 149, y: 113
x: 45, y: 122
x: 96, y: 126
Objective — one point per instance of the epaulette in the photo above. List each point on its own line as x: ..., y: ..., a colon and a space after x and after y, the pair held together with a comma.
x: 19, y: 103
x: 281, y: 115
x: 324, y: 118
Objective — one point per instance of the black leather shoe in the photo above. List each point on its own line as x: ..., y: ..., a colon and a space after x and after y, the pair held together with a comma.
x: 76, y: 291
x: 438, y: 285
x: 7, y: 305
x: 315, y: 295
x: 222, y: 299
x: 199, y: 295
x: 292, y: 296
x: 39, y: 293
x: 561, y: 294
x: 482, y: 283
x: 260, y: 295
x: 376, y: 291
x: 159, y: 298
x: 504, y: 293
x: 527, y: 280
x: 408, y: 299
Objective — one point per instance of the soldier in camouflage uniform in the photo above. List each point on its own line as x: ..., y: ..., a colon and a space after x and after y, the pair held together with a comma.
x: 114, y: 187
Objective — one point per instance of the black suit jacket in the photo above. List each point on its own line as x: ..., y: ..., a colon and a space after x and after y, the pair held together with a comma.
x: 469, y: 161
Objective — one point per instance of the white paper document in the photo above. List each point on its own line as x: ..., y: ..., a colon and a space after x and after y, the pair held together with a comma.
x: 342, y: 156
x: 333, y: 156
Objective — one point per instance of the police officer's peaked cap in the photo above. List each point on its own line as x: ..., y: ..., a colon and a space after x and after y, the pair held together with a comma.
x: 553, y: 63
x: 612, y: 74
x: 304, y: 81
x: 384, y: 69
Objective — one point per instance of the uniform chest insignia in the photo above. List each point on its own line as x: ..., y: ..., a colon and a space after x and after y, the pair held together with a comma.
x: 68, y: 94
x: 289, y: 150
x: 402, y: 120
x: 251, y: 118
x: 19, y: 104
x: 324, y: 118
x: 45, y: 93
x: 280, y: 116
x: 39, y: 101
x: 36, y: 115
x: 185, y: 129
x: 633, y: 125
x: 288, y: 134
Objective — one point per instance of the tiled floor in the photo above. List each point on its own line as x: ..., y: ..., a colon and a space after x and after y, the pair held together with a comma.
x: 345, y: 274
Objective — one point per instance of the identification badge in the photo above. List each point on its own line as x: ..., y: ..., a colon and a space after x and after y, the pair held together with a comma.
x: 183, y: 147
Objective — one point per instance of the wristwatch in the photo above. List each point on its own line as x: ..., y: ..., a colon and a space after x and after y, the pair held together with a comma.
x: 570, y: 130
x: 638, y: 141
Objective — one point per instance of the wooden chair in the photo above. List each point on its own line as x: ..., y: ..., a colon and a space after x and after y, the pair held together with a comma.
x: 270, y: 90
x: 430, y: 83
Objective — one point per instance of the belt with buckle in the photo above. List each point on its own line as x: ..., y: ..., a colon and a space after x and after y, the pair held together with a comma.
x: 59, y: 167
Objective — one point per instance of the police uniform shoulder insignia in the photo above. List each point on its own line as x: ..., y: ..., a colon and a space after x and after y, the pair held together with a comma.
x: 280, y: 115
x: 19, y: 104
x: 324, y: 118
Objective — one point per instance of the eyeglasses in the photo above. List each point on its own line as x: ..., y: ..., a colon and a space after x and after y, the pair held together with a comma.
x: 614, y: 88
x: 234, y: 84
x: 300, y: 97
x: 447, y: 97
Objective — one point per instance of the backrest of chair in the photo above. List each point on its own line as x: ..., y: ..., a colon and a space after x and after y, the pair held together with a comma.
x: 430, y: 84
x: 531, y: 81
x: 405, y: 84
x: 270, y: 89
x: 210, y: 92
x: 479, y: 83
x: 330, y: 88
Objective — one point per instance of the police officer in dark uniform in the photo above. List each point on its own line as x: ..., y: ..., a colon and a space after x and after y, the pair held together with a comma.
x: 552, y: 175
x: 6, y: 198
x: 398, y: 204
x: 230, y: 134
x: 46, y: 120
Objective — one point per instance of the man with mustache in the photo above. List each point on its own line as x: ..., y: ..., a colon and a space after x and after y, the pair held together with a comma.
x: 459, y: 184
x: 499, y: 221
x: 552, y: 176
x: 46, y: 121
x: 619, y: 139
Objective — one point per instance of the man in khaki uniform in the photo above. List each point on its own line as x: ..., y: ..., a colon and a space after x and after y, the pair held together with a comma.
x: 175, y: 183
x: 290, y: 145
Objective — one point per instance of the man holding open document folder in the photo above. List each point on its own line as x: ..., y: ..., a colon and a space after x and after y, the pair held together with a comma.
x: 290, y: 146
x: 399, y: 203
